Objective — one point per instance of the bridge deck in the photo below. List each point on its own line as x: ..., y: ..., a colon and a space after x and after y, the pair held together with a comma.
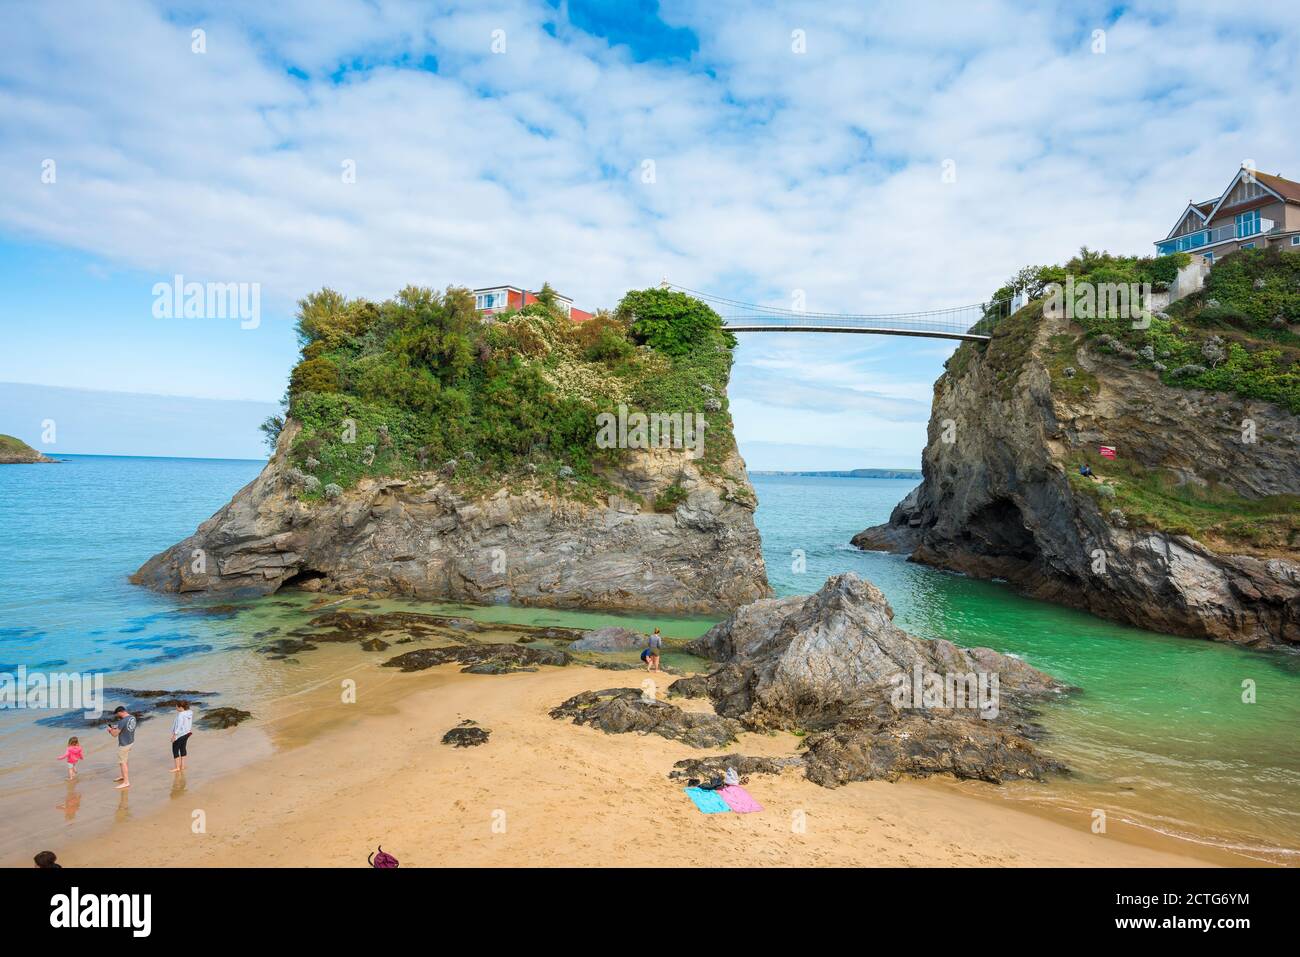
x: 860, y: 330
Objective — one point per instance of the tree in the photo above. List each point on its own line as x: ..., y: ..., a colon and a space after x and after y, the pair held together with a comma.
x: 672, y: 322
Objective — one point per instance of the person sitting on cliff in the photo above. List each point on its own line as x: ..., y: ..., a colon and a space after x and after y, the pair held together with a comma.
x: 1085, y: 470
x: 651, y: 658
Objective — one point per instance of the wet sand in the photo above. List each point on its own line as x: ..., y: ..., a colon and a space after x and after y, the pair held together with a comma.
x: 324, y: 782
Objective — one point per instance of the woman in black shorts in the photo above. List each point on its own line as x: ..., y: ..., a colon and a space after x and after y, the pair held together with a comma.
x: 182, y: 728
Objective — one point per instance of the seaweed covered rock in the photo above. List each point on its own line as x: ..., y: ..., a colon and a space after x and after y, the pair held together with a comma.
x: 467, y: 734
x: 705, y: 768
x: 219, y: 718
x: 886, y: 744
x: 485, y: 658
x: 620, y: 710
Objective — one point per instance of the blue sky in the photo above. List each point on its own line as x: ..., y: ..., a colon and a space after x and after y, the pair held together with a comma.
x: 795, y: 148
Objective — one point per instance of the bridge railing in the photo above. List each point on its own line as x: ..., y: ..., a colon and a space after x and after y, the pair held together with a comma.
x: 970, y: 321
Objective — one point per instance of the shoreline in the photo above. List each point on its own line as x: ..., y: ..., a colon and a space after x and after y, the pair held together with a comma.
x: 323, y: 783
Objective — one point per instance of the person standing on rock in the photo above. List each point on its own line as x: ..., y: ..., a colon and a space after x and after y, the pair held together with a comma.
x: 124, y: 731
x: 651, y: 658
x: 182, y: 726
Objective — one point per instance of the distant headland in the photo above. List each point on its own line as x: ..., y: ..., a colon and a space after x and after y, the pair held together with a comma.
x: 853, y: 473
x: 17, y: 452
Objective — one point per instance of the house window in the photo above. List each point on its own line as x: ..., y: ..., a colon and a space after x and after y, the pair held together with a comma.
x: 1247, y: 245
x: 1248, y: 223
x: 1209, y: 258
x: 1295, y: 240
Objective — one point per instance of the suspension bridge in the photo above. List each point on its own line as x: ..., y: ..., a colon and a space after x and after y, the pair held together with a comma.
x: 958, y: 322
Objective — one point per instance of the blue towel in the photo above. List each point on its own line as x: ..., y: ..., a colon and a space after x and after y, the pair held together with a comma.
x: 709, y: 802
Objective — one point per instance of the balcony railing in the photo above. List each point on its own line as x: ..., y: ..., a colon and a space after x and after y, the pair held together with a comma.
x: 1208, y: 237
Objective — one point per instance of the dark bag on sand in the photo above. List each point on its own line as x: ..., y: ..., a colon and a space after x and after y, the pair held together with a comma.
x: 713, y: 785
x: 381, y: 859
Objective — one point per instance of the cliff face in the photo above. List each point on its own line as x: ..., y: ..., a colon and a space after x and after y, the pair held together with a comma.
x: 417, y: 536
x: 1001, y: 495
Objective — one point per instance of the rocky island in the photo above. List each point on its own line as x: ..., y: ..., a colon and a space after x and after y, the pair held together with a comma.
x: 1193, y: 526
x: 429, y: 453
x: 17, y: 452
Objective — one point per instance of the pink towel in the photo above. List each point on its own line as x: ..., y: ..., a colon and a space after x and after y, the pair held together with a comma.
x: 738, y: 799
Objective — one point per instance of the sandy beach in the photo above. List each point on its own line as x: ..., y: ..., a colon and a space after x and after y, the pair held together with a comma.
x: 340, y: 779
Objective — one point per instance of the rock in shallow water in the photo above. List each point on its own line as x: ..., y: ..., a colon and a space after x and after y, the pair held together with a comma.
x: 224, y: 717
x: 610, y: 639
x: 480, y: 658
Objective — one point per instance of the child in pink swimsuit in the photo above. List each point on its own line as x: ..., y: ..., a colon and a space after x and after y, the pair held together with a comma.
x: 72, y: 756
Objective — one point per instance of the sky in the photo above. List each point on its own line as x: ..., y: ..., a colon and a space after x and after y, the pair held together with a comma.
x: 863, y: 157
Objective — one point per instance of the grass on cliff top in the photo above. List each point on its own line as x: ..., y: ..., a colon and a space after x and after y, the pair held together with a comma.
x: 14, y: 446
x: 420, y: 383
x: 1155, y: 499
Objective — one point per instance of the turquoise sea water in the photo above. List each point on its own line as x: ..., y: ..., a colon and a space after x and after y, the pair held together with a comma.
x: 1158, y: 735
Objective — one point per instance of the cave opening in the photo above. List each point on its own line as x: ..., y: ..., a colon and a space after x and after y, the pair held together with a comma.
x: 999, y: 528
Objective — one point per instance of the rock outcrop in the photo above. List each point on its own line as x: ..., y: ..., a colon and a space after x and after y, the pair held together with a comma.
x: 997, y: 499
x: 879, y: 702
x: 623, y: 710
x: 418, y: 536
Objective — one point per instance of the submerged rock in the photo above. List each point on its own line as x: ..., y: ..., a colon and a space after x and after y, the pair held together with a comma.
x: 467, y: 734
x: 610, y: 639
x: 486, y: 658
x: 620, y: 710
x: 220, y: 718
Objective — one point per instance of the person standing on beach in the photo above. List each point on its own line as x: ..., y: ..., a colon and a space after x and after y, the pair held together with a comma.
x: 124, y: 730
x: 182, y: 726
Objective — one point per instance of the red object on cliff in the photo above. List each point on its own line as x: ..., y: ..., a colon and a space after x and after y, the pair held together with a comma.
x: 1107, y: 451
x: 491, y: 300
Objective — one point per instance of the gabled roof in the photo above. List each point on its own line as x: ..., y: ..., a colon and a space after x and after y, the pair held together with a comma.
x: 1285, y: 188
x: 1198, y: 208
x: 1263, y: 179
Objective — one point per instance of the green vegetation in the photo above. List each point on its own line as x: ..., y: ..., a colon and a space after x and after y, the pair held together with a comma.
x: 1237, y: 335
x: 1155, y: 499
x: 419, y: 382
